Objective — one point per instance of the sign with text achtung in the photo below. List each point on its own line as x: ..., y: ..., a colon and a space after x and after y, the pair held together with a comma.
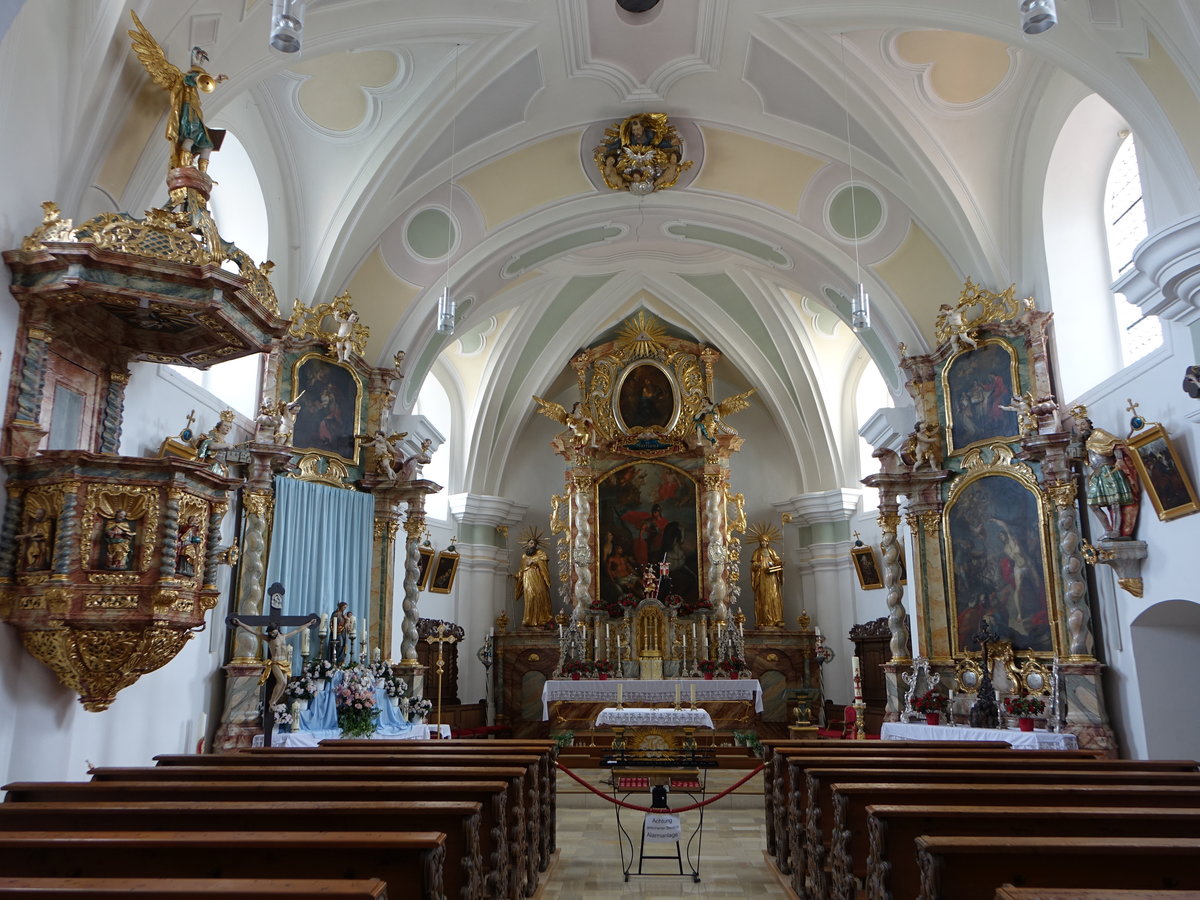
x: 661, y: 828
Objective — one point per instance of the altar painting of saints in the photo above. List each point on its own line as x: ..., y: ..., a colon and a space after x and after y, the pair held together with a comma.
x: 647, y: 516
x: 328, y: 418
x: 998, y: 565
x: 646, y: 398
x: 980, y: 384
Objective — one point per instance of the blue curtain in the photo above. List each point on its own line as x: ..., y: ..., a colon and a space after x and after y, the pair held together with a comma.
x: 321, y: 552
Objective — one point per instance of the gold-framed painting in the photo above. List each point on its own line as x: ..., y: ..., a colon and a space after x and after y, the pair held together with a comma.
x: 646, y: 397
x: 977, y: 385
x: 998, y: 557
x: 1163, y: 476
x: 444, y: 570
x: 866, y: 567
x: 425, y: 556
x: 330, y: 414
x: 647, y: 513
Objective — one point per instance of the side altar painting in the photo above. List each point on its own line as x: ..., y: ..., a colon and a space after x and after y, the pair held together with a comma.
x: 993, y: 473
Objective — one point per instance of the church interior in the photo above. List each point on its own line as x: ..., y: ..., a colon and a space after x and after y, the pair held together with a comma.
x: 777, y: 372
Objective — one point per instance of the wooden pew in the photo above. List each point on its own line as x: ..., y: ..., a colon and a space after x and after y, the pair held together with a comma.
x: 497, y: 850
x: 192, y: 888
x: 523, y: 871
x: 819, y: 815
x: 410, y: 863
x: 893, y: 831
x: 775, y: 785
x: 535, y: 800
x: 1008, y: 892
x: 459, y: 821
x: 986, y: 795
x: 547, y: 751
x: 791, y: 827
x: 966, y: 868
x: 791, y: 762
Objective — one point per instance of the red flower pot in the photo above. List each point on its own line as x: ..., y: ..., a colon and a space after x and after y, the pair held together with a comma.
x: 733, y: 676
x: 1025, y: 723
x: 574, y: 676
x: 933, y: 718
x: 708, y: 676
x: 604, y: 676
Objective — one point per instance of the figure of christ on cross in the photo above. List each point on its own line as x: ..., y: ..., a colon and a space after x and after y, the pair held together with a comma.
x: 278, y: 665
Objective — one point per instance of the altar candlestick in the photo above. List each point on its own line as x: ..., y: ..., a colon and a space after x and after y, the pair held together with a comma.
x: 692, y: 690
x: 677, y: 695
x: 324, y: 627
x: 619, y: 692
x: 857, y: 665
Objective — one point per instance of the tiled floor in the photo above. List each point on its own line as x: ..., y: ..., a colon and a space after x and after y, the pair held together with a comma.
x: 589, y: 859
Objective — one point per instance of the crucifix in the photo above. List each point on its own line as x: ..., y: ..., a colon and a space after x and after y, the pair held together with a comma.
x: 441, y: 639
x: 278, y: 664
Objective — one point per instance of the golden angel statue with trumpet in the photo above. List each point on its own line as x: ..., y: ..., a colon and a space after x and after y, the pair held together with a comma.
x: 191, y: 139
x: 708, y: 417
x: 578, y: 421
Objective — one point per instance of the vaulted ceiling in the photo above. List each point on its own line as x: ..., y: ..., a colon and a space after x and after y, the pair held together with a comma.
x: 945, y: 111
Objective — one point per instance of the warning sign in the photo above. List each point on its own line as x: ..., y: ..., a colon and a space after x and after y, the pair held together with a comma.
x: 661, y: 828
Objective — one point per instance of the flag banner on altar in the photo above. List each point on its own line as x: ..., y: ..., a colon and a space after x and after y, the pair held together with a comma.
x: 661, y: 828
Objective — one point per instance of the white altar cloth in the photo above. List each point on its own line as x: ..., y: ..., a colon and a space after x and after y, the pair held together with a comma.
x: 1020, y: 740
x: 313, y: 738
x: 674, y: 718
x: 635, y: 689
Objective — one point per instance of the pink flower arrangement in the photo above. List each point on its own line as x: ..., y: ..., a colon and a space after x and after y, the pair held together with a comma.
x: 355, y: 700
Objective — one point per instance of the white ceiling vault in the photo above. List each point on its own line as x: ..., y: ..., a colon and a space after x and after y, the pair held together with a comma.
x: 951, y: 114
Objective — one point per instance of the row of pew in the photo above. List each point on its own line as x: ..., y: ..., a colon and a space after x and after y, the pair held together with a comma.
x: 944, y: 820
x: 403, y: 820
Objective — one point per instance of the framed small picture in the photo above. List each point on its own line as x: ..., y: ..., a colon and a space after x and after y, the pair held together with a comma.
x: 444, y: 571
x: 866, y: 567
x: 1162, y: 475
x: 423, y: 561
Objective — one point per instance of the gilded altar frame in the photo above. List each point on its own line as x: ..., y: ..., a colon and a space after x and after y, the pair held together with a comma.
x: 312, y: 372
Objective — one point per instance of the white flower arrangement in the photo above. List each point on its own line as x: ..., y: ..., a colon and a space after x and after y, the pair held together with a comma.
x: 283, y: 714
x: 419, y: 709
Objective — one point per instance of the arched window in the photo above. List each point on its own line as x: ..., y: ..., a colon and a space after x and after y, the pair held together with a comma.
x: 434, y: 404
x: 870, y: 395
x: 240, y: 212
x: 1125, y: 225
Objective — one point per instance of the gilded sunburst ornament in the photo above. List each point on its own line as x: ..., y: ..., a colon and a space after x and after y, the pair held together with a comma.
x: 642, y: 335
x: 760, y: 531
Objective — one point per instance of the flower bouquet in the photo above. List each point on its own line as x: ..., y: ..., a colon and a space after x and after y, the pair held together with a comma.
x: 302, y: 687
x: 733, y: 667
x: 1024, y: 708
x: 419, y: 709
x: 707, y: 667
x: 604, y: 668
x: 283, y: 716
x: 932, y: 704
x: 355, y: 699
x: 578, y: 668
x: 386, y: 678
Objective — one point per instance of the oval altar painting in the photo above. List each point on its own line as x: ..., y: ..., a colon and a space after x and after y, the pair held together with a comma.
x: 646, y: 398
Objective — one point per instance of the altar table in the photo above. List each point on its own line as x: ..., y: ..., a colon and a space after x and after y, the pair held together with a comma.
x: 1020, y: 740
x: 416, y: 732
x: 638, y: 716
x: 636, y: 689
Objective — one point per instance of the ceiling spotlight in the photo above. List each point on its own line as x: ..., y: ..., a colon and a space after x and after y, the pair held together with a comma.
x: 287, y: 21
x: 446, y: 313
x: 1037, y: 16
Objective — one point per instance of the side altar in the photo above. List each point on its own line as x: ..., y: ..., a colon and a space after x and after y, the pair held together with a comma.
x: 648, y: 536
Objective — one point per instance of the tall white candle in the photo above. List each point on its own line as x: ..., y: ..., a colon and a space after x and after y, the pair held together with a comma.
x: 692, y: 688
x: 619, y: 692
x: 324, y: 627
x: 305, y: 635
x: 677, y: 693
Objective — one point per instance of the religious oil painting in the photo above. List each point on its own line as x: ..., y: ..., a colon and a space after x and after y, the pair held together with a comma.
x: 1164, y: 478
x: 424, y: 558
x: 647, y: 515
x: 330, y: 402
x: 996, y: 550
x: 444, y: 571
x: 646, y: 398
x: 980, y: 384
x: 866, y: 567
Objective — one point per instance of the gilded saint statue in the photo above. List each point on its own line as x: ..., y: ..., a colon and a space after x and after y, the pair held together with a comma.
x: 190, y: 139
x: 533, y: 582
x: 766, y: 577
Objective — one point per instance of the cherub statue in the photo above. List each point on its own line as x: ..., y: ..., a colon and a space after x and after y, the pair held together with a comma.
x: 286, y: 412
x: 386, y: 448
x: 410, y: 470
x: 952, y: 321
x: 397, y: 365
x: 926, y: 445
x: 343, y: 342
x: 191, y: 140
x: 1022, y: 405
x: 578, y: 421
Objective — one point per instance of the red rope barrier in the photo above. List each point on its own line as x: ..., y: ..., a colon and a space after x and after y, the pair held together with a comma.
x: 646, y: 809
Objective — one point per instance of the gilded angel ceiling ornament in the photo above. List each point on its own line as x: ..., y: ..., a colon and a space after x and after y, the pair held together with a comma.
x: 641, y: 154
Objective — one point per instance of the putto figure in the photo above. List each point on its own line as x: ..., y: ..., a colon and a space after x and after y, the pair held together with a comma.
x: 641, y: 154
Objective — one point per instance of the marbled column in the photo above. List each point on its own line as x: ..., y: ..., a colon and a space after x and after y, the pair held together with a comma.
x: 925, y: 574
x: 901, y: 645
x: 383, y: 578
x: 216, y: 514
x: 169, y: 558
x: 257, y: 506
x: 8, y: 536
x: 66, y: 536
x: 414, y: 524
x: 31, y: 381
x: 1076, y: 612
x: 713, y: 501
x: 114, y: 411
x: 581, y: 547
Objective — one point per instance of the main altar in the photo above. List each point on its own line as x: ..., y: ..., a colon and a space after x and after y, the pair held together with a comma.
x: 648, y: 534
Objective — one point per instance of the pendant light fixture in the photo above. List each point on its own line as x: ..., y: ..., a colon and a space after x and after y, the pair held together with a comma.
x: 447, y: 309
x: 860, y: 306
x: 287, y: 23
